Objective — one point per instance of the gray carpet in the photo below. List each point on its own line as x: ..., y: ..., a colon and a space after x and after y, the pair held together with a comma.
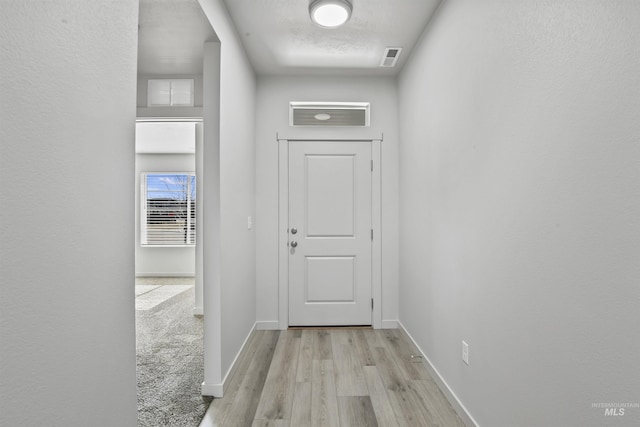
x: 170, y: 363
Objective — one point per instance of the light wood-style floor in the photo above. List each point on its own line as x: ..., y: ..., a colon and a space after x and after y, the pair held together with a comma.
x: 330, y: 377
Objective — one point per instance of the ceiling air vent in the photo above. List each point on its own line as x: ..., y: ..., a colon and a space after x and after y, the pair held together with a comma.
x: 391, y: 55
x: 329, y: 114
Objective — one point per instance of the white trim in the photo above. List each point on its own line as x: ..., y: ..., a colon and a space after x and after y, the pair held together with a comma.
x: 390, y: 324
x: 272, y: 325
x: 188, y: 274
x: 283, y: 223
x: 168, y: 119
x: 158, y: 113
x: 198, y: 309
x: 376, y: 245
x: 330, y: 134
x: 460, y: 409
x: 209, y: 196
x: 217, y: 390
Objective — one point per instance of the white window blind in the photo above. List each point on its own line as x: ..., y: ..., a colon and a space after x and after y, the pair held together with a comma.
x: 168, y: 209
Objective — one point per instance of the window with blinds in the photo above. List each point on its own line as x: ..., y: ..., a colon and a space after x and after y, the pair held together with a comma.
x: 168, y: 209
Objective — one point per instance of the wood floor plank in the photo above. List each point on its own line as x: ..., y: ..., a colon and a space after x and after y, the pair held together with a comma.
x: 405, y: 404
x: 247, y: 397
x: 402, y: 351
x: 373, y: 338
x: 301, y: 412
x: 347, y: 365
x: 305, y: 358
x: 362, y: 346
x: 356, y: 411
x: 379, y: 399
x: 294, y: 333
x: 269, y: 423
x: 349, y: 377
x: 341, y: 336
x: 322, y: 345
x: 220, y: 407
x: 324, y: 402
x: 277, y: 395
x: 432, y: 398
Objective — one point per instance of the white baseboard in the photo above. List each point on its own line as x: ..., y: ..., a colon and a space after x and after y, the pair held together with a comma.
x: 217, y: 390
x: 198, y: 311
x: 165, y: 275
x: 273, y: 325
x: 390, y: 324
x: 462, y: 412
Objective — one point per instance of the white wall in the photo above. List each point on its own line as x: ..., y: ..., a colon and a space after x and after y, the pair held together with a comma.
x: 520, y: 207
x: 67, y: 120
x: 274, y: 95
x: 235, y: 292
x: 162, y: 261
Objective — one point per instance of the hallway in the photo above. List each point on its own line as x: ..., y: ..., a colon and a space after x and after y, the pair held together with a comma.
x: 509, y: 230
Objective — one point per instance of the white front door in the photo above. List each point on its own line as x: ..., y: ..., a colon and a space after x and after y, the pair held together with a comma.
x: 330, y: 233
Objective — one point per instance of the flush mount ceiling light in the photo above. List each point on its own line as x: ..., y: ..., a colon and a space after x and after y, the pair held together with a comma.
x: 330, y: 13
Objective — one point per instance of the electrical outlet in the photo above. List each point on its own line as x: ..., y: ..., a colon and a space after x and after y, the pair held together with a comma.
x: 249, y: 223
x: 465, y: 352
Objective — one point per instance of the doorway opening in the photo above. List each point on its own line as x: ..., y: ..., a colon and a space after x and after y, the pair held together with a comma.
x: 174, y: 81
x: 169, y: 326
x: 329, y: 232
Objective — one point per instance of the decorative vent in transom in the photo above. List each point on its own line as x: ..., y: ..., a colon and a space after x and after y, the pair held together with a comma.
x: 329, y: 114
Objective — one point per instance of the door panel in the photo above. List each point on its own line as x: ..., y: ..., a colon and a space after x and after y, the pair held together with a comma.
x: 330, y: 279
x: 330, y: 252
x: 330, y: 196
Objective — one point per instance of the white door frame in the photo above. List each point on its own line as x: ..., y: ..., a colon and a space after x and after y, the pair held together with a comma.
x: 283, y: 223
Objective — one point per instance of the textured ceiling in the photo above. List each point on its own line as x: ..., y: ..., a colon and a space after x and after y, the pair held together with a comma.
x: 281, y: 39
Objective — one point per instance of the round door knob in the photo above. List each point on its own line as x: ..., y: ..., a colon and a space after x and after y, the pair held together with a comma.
x: 294, y: 244
x: 294, y: 230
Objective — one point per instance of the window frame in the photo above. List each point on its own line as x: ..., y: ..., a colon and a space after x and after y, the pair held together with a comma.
x: 191, y: 200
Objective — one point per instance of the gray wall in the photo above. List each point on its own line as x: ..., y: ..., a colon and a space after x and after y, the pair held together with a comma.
x: 520, y: 207
x: 229, y: 298
x: 67, y: 116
